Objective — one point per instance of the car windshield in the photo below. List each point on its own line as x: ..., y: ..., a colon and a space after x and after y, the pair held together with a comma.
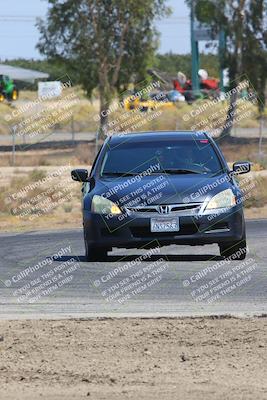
x: 171, y: 157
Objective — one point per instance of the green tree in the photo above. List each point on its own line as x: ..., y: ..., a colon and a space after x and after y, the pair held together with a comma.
x: 172, y: 63
x: 244, y: 24
x: 104, y: 41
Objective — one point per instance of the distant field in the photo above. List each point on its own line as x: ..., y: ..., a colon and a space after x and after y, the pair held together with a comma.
x: 74, y: 110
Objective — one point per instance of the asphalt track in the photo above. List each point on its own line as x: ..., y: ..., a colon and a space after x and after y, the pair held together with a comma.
x: 44, y: 275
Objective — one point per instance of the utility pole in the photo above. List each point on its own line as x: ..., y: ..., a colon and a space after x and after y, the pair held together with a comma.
x: 240, y: 17
x: 194, y: 50
x: 14, y: 128
x: 221, y: 48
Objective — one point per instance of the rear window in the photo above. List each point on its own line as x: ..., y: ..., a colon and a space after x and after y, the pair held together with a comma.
x: 135, y: 157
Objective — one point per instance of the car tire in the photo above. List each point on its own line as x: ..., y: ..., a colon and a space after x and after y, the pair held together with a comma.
x: 95, y: 254
x: 236, y: 250
x: 14, y: 95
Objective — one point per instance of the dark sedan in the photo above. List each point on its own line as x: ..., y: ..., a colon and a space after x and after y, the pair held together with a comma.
x: 161, y: 188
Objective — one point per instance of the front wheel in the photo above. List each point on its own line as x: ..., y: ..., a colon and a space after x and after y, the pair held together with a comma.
x: 14, y: 95
x: 234, y: 250
x: 95, y: 254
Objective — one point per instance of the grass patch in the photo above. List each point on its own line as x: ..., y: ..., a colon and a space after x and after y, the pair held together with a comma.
x: 258, y: 196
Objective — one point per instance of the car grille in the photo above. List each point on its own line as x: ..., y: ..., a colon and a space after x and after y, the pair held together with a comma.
x: 165, y: 209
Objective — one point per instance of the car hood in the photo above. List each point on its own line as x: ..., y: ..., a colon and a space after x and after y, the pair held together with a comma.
x: 166, y: 189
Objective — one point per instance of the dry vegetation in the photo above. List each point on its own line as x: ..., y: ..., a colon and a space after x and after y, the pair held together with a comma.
x: 245, y: 151
x: 84, y: 113
x: 34, y: 199
x: 82, y: 154
x: 70, y: 111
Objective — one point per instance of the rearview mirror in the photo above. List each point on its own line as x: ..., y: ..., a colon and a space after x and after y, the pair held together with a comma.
x: 241, y: 167
x: 80, y: 175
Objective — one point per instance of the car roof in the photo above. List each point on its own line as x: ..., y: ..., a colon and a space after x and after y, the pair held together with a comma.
x: 158, y: 135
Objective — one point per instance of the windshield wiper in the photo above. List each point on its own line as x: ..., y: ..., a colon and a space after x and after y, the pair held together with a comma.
x: 180, y: 171
x: 166, y: 171
x: 117, y: 173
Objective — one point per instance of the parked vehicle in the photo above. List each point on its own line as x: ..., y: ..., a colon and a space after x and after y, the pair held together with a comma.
x: 157, y: 100
x: 8, y: 89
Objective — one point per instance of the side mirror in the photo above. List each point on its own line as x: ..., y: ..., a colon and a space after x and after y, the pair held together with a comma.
x: 241, y: 167
x: 80, y: 175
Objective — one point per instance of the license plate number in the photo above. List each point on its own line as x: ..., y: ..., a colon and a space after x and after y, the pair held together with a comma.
x: 164, y: 225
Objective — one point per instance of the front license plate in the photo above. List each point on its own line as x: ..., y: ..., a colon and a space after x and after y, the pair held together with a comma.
x: 164, y: 225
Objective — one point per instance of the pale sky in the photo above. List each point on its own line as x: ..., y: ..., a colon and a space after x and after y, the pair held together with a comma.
x: 18, y: 34
x: 175, y: 30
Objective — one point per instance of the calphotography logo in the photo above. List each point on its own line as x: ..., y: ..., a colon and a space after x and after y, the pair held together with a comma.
x: 43, y: 276
x: 135, y: 193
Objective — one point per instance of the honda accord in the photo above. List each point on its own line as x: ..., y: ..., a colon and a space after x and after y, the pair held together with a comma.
x: 160, y: 188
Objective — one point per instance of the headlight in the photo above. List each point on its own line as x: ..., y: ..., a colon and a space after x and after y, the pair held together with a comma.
x: 100, y: 205
x: 224, y: 199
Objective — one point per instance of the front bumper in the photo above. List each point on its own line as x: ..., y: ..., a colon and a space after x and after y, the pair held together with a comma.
x: 134, y: 232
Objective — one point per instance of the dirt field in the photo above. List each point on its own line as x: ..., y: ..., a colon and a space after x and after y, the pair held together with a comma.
x: 208, y: 358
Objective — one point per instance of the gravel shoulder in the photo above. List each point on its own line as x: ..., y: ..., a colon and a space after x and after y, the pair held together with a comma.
x: 213, y: 358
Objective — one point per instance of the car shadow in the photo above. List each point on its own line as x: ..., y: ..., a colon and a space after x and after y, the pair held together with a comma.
x: 166, y: 257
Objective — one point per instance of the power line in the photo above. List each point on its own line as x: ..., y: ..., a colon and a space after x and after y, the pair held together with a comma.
x: 19, y: 18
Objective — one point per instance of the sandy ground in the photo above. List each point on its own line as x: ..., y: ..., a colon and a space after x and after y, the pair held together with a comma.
x: 208, y: 358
